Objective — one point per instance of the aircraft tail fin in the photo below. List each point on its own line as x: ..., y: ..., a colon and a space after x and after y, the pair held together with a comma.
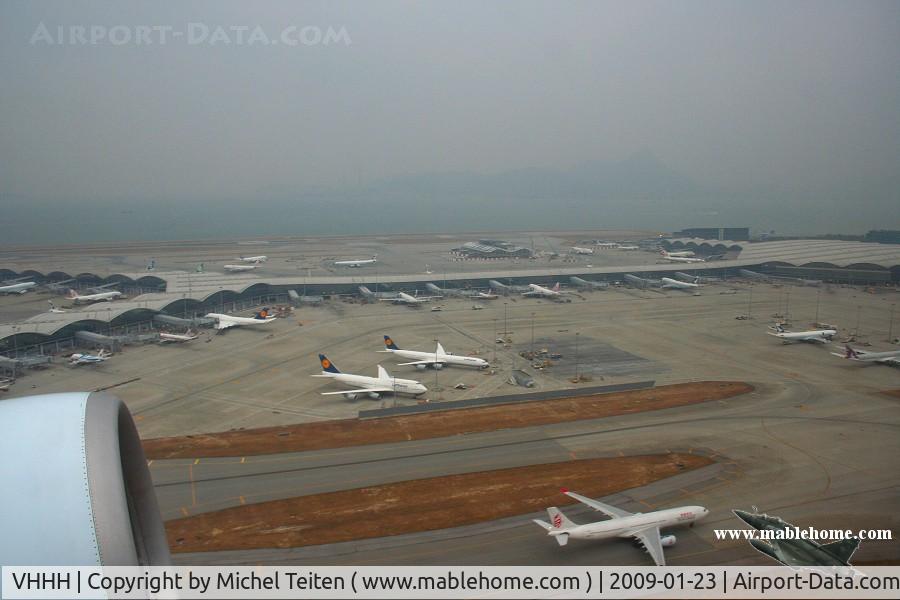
x: 389, y: 343
x: 850, y: 352
x: 556, y: 287
x: 558, y: 519
x: 327, y: 365
x: 440, y: 349
x: 382, y: 373
x: 262, y: 314
x: 71, y: 294
x: 843, y: 549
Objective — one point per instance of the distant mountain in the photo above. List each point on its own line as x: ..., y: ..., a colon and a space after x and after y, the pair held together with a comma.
x: 641, y: 176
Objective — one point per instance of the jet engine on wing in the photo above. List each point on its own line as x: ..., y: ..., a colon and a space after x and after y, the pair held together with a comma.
x: 667, y: 540
x: 76, y: 488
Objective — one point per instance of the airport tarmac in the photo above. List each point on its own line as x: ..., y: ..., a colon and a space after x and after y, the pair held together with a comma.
x: 816, y: 443
x: 315, y: 255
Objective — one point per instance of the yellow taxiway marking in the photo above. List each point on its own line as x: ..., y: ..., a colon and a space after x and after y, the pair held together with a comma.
x: 196, y: 461
x: 243, y: 501
x: 184, y: 511
x: 243, y: 458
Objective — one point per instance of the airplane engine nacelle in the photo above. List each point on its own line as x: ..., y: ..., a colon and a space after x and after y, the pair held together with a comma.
x: 667, y: 540
x: 438, y: 366
x: 374, y: 395
x: 351, y: 396
x: 76, y: 488
x: 421, y: 367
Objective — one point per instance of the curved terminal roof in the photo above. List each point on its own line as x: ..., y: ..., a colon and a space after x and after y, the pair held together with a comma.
x: 201, y: 288
x: 799, y: 253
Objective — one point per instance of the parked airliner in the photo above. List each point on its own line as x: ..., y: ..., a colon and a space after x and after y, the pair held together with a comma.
x: 98, y: 297
x: 821, y: 336
x: 643, y: 527
x: 373, y: 387
x: 17, y: 288
x: 89, y: 359
x: 668, y: 282
x: 254, y: 259
x: 435, y: 360
x: 226, y: 321
x: 891, y: 357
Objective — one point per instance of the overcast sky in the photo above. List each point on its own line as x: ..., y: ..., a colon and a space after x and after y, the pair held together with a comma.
x: 794, y: 95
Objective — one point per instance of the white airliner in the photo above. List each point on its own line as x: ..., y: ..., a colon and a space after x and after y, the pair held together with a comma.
x: 254, y: 259
x: 373, y: 387
x: 239, y: 268
x: 17, y: 288
x: 628, y: 247
x: 821, y: 336
x: 578, y: 250
x: 681, y: 259
x: 226, y: 321
x: 404, y: 298
x: 541, y: 291
x: 643, y: 527
x: 681, y: 254
x: 436, y: 360
x: 98, y: 297
x: 89, y: 359
x: 357, y: 263
x: 176, y: 338
x: 670, y: 283
x: 892, y: 357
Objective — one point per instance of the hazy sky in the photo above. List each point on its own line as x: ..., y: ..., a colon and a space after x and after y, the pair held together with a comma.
x: 793, y: 95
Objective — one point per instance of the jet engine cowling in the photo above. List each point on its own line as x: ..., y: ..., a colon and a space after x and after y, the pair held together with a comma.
x: 374, y: 395
x: 76, y: 488
x: 351, y: 396
x: 438, y: 366
x: 421, y: 367
x: 667, y: 540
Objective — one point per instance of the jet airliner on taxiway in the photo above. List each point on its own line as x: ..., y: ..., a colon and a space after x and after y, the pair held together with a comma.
x: 643, y: 527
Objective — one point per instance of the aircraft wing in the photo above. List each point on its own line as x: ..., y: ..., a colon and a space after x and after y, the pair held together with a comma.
x: 359, y: 390
x: 610, y: 511
x: 649, y: 538
x: 891, y: 360
x: 223, y: 324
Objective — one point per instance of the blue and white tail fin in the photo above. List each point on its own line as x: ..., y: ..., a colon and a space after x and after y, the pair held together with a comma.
x: 327, y: 365
x: 262, y: 314
x: 389, y: 343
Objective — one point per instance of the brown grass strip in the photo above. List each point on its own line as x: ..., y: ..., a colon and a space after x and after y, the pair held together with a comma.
x: 353, y: 432
x: 418, y: 505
